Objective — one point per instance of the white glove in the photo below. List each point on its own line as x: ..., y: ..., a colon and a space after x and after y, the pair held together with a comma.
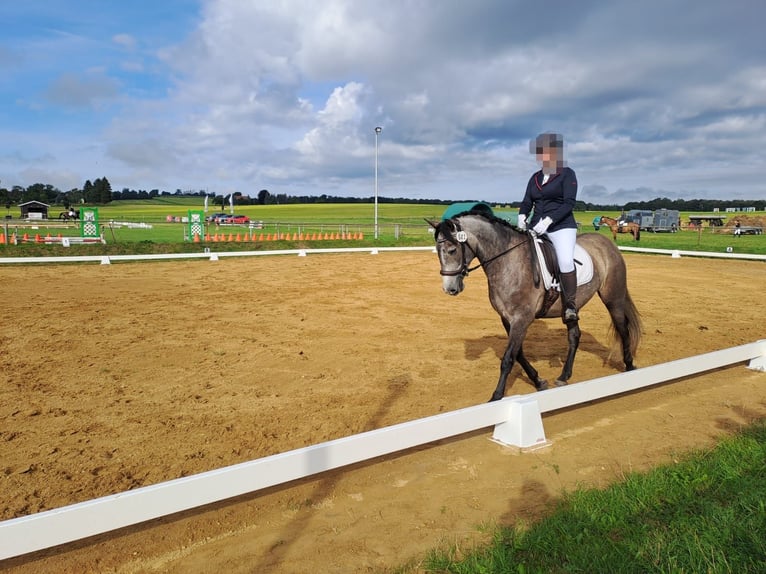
x: 542, y: 225
x: 522, y: 222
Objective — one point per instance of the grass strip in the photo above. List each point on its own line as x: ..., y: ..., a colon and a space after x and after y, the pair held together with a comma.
x: 707, y: 513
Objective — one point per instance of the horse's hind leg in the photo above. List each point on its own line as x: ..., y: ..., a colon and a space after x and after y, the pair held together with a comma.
x: 573, y: 338
x: 540, y: 384
x: 620, y: 326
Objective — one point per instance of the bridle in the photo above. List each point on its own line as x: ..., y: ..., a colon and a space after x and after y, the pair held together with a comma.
x: 461, y: 238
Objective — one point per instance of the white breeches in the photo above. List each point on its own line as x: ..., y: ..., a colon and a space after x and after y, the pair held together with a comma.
x: 564, y: 243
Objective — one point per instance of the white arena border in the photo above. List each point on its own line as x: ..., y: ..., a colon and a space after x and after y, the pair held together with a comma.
x: 212, y: 255
x: 215, y: 255
x: 676, y: 253
x: 517, y: 422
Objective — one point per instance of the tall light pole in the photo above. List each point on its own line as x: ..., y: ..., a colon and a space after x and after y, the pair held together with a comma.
x: 378, y: 129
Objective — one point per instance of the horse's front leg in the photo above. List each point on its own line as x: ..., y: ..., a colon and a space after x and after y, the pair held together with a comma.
x: 573, y: 338
x: 540, y: 384
x: 506, y: 364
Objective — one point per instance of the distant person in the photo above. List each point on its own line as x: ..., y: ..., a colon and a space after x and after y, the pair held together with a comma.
x: 552, y: 192
x: 622, y: 220
x: 737, y: 228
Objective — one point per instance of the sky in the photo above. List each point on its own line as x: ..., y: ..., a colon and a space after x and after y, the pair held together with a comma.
x: 657, y: 98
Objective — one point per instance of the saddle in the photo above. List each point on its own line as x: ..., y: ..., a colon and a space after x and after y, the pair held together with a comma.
x: 546, y: 267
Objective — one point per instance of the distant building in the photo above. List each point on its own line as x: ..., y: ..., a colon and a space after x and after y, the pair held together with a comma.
x: 735, y: 209
x: 34, y: 210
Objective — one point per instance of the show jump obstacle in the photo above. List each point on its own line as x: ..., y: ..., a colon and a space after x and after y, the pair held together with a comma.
x: 517, y: 422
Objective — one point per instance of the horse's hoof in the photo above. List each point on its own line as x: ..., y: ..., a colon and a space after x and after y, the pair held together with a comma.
x: 542, y: 385
x: 495, y: 397
x: 560, y: 383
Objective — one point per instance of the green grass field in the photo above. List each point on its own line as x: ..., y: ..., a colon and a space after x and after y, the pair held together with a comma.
x: 398, y: 225
x: 705, y: 514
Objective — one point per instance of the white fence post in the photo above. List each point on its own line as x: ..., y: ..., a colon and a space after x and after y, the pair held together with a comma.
x: 524, y: 427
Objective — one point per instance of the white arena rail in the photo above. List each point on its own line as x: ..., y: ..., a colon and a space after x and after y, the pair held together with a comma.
x: 517, y: 421
x: 676, y: 253
x: 211, y: 255
x: 216, y: 255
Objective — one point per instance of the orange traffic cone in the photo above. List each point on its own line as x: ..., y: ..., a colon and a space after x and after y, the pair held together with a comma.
x: 239, y: 238
x: 231, y: 237
x: 260, y: 237
x: 2, y: 238
x: 361, y: 235
x: 207, y: 237
x: 38, y: 239
x: 25, y: 237
x: 196, y: 238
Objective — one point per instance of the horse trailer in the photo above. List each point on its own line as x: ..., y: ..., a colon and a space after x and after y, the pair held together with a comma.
x: 644, y: 218
x: 658, y: 220
x: 666, y: 220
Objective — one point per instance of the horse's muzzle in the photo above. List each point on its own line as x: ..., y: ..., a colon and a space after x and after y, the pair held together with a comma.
x: 452, y: 285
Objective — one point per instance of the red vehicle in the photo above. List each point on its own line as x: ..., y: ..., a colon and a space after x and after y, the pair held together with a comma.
x: 216, y: 217
x: 236, y: 219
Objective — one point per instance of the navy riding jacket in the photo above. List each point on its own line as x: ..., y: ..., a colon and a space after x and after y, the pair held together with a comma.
x: 555, y: 199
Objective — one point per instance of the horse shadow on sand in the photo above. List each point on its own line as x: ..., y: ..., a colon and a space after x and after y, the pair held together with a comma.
x: 546, y: 348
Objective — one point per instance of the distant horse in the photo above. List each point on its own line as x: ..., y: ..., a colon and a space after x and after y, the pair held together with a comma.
x: 69, y: 215
x: 621, y: 227
x: 506, y: 256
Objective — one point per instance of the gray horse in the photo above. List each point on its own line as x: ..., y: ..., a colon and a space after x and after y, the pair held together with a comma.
x: 515, y: 292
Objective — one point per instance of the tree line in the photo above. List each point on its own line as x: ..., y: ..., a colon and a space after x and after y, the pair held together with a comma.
x: 99, y: 192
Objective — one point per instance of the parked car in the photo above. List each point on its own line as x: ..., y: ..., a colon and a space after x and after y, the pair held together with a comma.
x: 216, y: 217
x: 237, y: 219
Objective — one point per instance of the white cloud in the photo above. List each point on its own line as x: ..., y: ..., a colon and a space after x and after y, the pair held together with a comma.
x: 665, y: 96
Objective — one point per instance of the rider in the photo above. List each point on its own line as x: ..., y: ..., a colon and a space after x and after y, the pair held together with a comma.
x: 552, y: 192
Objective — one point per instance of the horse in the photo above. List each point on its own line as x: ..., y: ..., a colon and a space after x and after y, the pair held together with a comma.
x: 621, y: 227
x: 67, y: 215
x: 506, y: 255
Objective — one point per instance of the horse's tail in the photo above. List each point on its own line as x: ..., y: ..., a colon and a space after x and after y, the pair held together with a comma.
x: 633, y: 324
x: 638, y: 234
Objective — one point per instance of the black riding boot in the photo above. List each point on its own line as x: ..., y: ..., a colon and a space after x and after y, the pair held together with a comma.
x: 568, y: 296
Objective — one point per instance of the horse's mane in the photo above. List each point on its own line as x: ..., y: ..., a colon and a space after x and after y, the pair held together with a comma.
x: 447, y: 226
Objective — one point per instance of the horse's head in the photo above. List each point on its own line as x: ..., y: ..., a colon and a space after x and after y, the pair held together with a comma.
x: 454, y: 254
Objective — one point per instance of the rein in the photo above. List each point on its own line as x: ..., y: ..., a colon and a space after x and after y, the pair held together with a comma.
x: 462, y: 237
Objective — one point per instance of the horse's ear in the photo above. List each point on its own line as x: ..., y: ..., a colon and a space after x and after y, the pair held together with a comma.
x: 432, y: 223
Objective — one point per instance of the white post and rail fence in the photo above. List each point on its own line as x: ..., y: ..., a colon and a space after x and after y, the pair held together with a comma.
x: 517, y: 422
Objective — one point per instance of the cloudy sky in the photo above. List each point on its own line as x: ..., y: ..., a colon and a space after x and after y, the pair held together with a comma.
x: 653, y: 97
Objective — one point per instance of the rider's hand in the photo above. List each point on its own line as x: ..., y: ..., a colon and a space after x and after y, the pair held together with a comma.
x: 522, y: 222
x: 542, y: 225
